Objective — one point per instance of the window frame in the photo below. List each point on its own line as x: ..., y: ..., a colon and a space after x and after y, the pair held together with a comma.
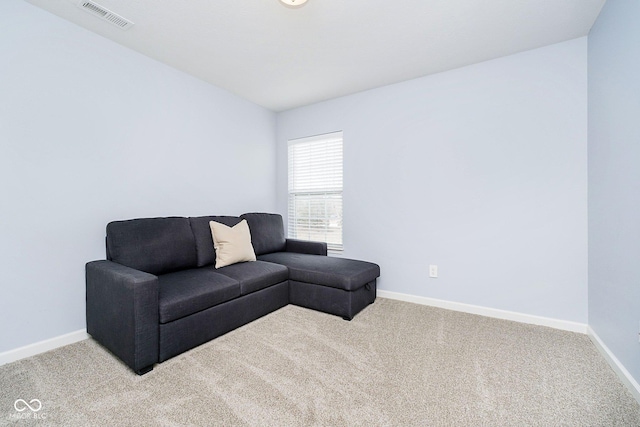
x: 316, y: 194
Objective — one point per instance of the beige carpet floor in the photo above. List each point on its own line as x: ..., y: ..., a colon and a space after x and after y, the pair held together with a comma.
x: 395, y: 364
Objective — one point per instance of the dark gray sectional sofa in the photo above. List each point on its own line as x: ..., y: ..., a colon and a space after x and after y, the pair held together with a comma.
x: 158, y: 293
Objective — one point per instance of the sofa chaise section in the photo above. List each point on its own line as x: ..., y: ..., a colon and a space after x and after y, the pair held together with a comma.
x: 338, y: 286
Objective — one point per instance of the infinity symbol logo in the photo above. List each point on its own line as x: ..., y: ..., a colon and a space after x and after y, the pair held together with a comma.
x: 22, y: 405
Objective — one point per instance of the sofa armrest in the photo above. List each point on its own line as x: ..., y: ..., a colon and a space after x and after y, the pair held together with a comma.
x: 122, y: 312
x: 306, y: 247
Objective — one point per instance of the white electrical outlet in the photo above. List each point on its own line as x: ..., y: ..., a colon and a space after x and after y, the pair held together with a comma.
x: 638, y: 331
x: 433, y: 271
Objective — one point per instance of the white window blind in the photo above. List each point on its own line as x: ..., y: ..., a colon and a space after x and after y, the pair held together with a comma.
x: 315, y: 189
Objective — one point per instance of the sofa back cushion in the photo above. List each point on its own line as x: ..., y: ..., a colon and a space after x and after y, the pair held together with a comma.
x: 267, y: 232
x: 205, y: 252
x: 153, y: 245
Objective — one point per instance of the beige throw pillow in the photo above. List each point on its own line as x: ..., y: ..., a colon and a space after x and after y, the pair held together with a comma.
x: 232, y: 244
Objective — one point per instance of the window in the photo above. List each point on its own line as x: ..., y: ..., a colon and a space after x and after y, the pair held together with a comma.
x: 315, y: 189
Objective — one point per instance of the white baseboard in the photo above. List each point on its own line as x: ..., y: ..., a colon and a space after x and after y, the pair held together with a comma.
x: 564, y: 325
x: 42, y: 346
x: 615, y: 364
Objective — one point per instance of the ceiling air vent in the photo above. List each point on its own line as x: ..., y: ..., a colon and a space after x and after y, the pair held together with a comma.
x: 104, y: 13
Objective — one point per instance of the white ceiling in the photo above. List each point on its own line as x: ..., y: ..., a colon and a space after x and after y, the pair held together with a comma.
x: 282, y: 58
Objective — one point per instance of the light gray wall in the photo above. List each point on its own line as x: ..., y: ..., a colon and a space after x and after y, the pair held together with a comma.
x: 480, y: 170
x: 614, y: 180
x: 92, y: 132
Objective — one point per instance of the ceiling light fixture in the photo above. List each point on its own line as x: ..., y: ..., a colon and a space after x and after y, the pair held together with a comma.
x: 294, y: 3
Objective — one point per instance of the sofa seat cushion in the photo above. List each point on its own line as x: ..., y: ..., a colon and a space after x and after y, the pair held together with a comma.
x: 256, y: 275
x: 186, y: 292
x: 341, y: 273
